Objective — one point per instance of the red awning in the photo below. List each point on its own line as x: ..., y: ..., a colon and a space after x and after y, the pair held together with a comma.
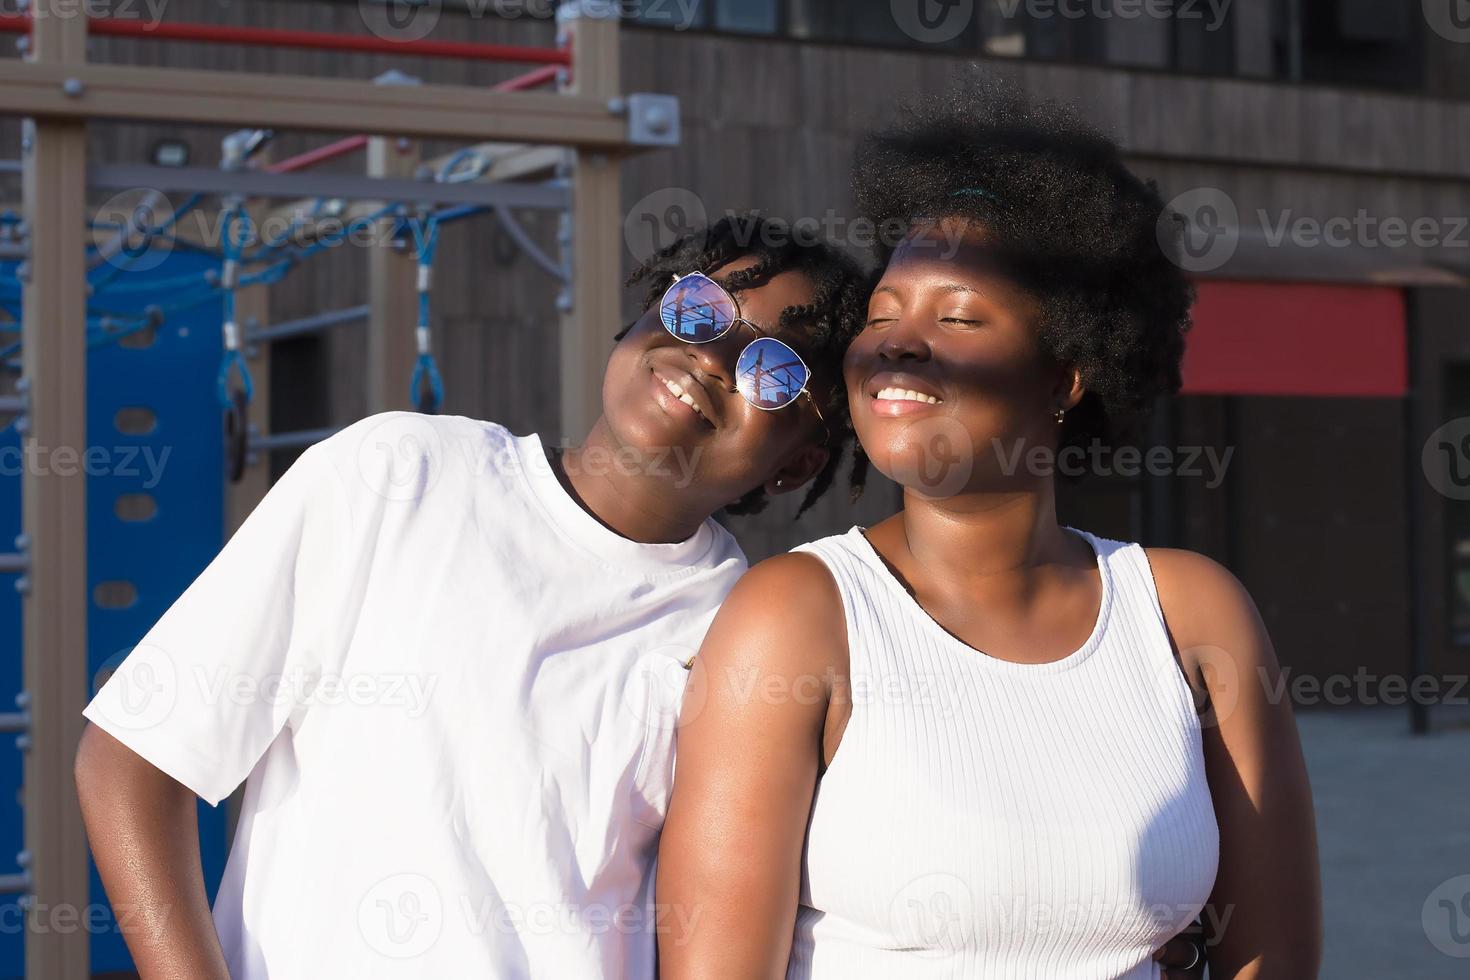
x: 1257, y: 338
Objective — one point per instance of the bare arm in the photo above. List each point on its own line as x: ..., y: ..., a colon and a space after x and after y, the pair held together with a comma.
x: 750, y: 746
x: 1264, y: 918
x: 144, y: 832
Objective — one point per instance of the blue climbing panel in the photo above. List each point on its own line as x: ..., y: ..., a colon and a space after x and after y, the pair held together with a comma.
x: 180, y: 465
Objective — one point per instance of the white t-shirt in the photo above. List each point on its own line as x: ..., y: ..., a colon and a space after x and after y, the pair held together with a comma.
x: 453, y: 693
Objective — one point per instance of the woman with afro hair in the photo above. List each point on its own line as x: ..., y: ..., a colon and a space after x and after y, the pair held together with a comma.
x: 969, y: 741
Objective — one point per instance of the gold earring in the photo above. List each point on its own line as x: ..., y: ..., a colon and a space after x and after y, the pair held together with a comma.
x: 1061, y: 415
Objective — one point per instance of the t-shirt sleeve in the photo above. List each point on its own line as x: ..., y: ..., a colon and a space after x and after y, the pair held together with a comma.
x: 217, y: 678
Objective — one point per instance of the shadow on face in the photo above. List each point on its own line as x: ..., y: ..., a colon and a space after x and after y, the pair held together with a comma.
x: 948, y: 381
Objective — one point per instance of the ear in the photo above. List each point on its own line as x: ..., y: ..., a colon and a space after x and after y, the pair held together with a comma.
x: 798, y: 470
x: 1069, y: 389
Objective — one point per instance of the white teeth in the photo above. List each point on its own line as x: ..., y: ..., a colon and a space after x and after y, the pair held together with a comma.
x: 906, y: 395
x: 678, y: 392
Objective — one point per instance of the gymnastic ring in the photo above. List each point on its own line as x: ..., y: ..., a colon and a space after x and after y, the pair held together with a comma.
x: 237, y: 436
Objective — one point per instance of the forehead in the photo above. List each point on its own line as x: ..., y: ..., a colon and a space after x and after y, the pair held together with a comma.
x: 764, y: 304
x: 953, y: 257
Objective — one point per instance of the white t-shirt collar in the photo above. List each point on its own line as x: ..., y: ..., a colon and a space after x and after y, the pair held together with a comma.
x: 586, y: 532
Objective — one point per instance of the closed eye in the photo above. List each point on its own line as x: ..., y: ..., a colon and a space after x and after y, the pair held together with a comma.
x: 961, y: 320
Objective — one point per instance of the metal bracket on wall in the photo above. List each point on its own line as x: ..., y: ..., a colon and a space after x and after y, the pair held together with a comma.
x: 653, y: 120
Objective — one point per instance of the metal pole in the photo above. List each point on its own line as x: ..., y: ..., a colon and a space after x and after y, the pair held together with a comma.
x: 308, y: 324
x: 1413, y: 493
x: 291, y: 440
x: 55, y: 511
x: 591, y: 243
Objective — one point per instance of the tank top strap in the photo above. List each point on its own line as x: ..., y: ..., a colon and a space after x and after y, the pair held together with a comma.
x: 1138, y: 616
x: 849, y: 559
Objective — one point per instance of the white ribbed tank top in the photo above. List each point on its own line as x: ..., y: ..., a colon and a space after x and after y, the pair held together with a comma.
x: 985, y: 818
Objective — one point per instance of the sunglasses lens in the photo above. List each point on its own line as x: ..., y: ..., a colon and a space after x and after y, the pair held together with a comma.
x: 697, y: 310
x: 769, y: 374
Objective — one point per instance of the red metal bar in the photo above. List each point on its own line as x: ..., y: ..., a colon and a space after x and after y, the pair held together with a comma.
x: 531, y: 79
x: 302, y: 161
x: 319, y: 155
x: 313, y: 40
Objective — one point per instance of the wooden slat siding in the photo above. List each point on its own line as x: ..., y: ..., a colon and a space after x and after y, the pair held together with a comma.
x: 772, y: 123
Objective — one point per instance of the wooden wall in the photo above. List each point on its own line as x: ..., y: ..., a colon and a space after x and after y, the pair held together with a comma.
x: 771, y: 124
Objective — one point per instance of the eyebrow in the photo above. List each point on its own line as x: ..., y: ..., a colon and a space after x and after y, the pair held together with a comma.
x: 947, y: 289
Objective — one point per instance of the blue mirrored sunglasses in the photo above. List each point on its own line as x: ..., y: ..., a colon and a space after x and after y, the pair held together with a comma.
x: 768, y: 373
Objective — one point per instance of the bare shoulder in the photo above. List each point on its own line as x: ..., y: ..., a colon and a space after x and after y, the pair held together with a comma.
x: 1204, y: 604
x: 785, y: 612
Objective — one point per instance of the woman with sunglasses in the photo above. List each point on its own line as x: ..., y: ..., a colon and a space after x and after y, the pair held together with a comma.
x: 970, y: 741
x: 445, y: 660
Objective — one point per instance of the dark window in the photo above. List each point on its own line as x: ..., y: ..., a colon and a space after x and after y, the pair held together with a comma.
x: 1350, y: 42
x: 1052, y: 30
x: 678, y: 14
x: 1204, y: 38
x: 748, y: 16
x: 948, y: 25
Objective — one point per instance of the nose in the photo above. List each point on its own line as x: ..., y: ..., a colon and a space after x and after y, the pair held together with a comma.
x: 901, y: 342
x: 716, y: 359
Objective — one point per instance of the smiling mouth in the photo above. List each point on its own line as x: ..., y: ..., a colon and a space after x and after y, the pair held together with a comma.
x: 683, y: 388
x: 893, y: 394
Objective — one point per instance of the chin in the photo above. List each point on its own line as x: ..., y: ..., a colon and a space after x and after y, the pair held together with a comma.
x: 932, y: 455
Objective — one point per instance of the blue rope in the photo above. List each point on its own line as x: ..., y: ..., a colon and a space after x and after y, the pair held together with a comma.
x: 236, y: 233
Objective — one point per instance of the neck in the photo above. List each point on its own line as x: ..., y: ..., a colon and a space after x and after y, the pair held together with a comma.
x: 634, y: 502
x: 975, y: 536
